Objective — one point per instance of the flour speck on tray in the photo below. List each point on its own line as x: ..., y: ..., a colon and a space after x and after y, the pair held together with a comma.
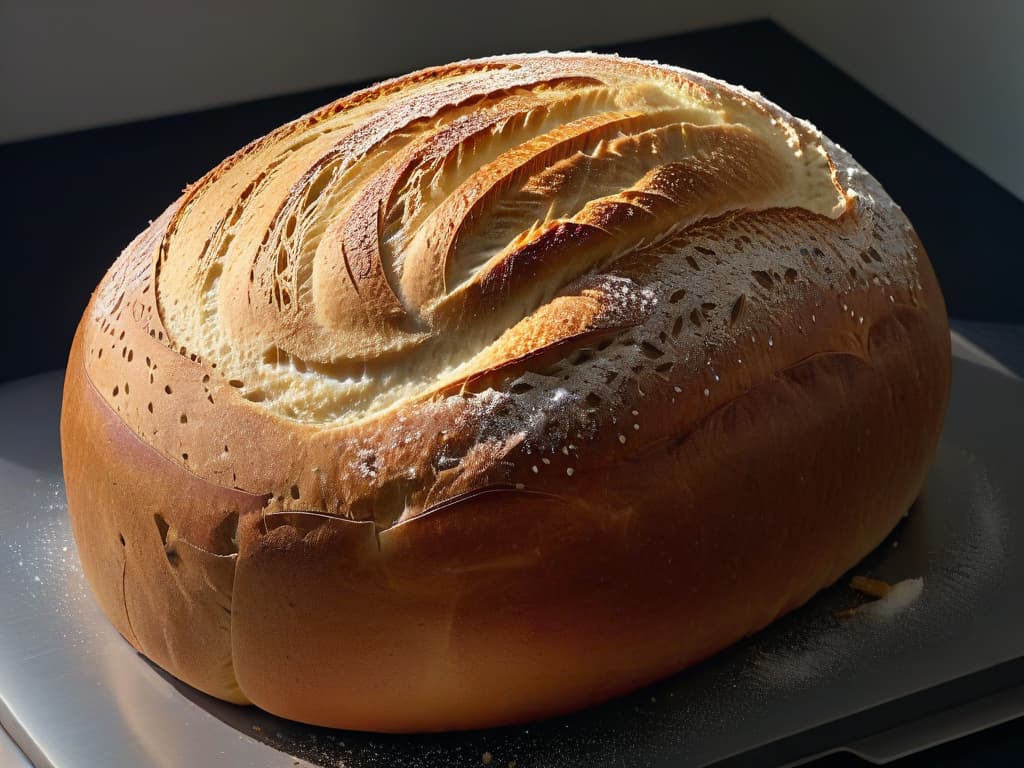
x: 901, y: 596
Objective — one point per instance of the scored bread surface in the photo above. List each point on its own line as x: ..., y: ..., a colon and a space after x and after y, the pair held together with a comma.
x: 496, y: 390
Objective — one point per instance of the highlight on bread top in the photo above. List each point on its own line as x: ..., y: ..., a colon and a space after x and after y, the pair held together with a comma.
x: 498, y: 390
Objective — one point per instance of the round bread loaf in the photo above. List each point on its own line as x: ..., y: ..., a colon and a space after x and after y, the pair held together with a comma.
x: 497, y: 390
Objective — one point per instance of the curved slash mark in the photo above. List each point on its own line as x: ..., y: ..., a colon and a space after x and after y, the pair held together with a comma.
x: 348, y: 270
x: 124, y: 601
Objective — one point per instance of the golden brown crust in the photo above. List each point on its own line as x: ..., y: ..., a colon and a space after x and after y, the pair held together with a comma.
x: 157, y: 543
x: 489, y: 367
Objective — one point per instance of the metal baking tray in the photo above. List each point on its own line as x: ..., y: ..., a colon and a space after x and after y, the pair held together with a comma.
x: 880, y: 683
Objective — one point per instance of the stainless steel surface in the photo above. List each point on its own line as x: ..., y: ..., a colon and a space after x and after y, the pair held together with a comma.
x: 949, y: 724
x: 10, y: 755
x: 966, y: 349
x: 73, y: 693
x: 1001, y: 343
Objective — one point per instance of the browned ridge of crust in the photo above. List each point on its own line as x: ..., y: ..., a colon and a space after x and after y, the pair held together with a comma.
x: 425, y: 408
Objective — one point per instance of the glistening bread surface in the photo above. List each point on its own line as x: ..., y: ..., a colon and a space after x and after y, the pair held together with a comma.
x: 496, y: 390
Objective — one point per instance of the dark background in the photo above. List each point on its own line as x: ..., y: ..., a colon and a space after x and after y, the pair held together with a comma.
x: 70, y: 204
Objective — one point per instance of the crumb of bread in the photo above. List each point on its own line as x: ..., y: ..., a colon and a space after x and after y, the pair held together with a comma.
x: 871, y: 587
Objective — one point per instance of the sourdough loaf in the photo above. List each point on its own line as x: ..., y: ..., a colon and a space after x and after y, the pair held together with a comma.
x: 497, y: 390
